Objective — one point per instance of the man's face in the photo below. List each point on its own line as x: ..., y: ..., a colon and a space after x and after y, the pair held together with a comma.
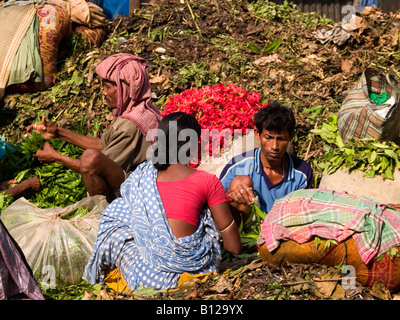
x: 274, y: 144
x: 110, y: 94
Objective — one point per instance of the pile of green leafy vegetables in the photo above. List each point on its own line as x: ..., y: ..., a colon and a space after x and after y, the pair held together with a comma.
x: 371, y: 156
x: 60, y: 186
x: 286, y: 13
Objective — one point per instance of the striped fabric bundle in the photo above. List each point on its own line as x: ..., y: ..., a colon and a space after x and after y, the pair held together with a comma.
x: 360, y: 118
x: 15, y: 21
x: 306, y: 213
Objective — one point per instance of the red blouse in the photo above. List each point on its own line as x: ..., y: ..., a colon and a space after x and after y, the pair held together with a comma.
x: 184, y: 199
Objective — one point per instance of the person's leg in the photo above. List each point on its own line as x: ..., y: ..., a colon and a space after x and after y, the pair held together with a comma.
x: 101, y: 174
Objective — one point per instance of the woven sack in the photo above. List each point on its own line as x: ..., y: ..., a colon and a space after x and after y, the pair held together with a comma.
x: 360, y: 118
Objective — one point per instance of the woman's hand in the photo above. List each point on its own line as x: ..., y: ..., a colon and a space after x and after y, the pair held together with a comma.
x: 46, y: 129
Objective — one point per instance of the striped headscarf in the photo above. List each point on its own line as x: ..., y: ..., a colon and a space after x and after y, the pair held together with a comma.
x: 133, y: 88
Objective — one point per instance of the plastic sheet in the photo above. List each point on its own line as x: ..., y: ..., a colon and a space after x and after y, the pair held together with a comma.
x: 56, y: 249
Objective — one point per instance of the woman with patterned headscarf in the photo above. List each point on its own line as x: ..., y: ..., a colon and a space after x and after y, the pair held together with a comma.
x: 107, y: 161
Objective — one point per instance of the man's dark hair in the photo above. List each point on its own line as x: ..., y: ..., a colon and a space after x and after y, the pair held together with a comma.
x: 183, y: 121
x: 275, y: 118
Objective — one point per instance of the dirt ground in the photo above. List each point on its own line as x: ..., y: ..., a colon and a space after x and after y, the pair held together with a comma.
x: 196, y: 43
x: 252, y: 279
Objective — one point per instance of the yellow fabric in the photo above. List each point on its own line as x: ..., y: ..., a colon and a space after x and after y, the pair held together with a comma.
x: 185, y: 277
x: 15, y: 21
x: 115, y: 281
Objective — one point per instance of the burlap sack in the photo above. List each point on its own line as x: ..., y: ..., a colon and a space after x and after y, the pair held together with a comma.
x: 87, y: 13
x: 386, y: 269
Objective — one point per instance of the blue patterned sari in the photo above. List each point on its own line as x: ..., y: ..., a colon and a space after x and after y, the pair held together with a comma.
x: 134, y: 235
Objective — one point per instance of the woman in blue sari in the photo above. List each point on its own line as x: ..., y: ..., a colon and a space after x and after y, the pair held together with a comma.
x: 170, y: 218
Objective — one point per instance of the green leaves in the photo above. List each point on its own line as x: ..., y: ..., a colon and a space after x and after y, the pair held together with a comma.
x: 249, y: 232
x: 279, y: 291
x: 275, y: 44
x: 327, y: 245
x: 70, y: 292
x: 251, y: 228
x: 272, y: 46
x: 79, y: 212
x: 371, y: 156
x: 5, y: 201
x: 286, y: 13
x: 254, y: 48
x: 197, y: 75
x: 60, y: 186
x: 32, y: 143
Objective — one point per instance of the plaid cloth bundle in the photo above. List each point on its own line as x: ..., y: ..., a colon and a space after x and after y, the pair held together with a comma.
x: 360, y: 118
x: 306, y: 213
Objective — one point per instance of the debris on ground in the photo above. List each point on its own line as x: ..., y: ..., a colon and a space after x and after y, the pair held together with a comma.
x: 305, y: 61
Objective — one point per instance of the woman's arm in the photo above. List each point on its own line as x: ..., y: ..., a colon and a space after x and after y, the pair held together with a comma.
x: 227, y: 226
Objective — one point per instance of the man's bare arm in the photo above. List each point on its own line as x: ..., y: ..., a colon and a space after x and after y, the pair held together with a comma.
x: 49, y: 154
x: 82, y: 141
x: 50, y: 131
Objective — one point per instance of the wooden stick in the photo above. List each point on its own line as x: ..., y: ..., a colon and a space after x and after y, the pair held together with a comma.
x: 310, y: 281
x: 311, y: 141
x: 194, y: 19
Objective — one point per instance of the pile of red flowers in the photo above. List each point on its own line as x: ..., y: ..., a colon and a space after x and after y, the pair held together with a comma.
x: 220, y: 107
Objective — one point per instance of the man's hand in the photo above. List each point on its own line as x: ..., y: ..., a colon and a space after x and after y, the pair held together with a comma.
x: 47, y: 154
x: 242, y: 194
x: 33, y: 183
x: 4, y: 184
x: 46, y: 129
x: 241, y: 190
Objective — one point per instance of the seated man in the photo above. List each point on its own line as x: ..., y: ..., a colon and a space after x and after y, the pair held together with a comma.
x: 269, y: 171
x: 107, y: 161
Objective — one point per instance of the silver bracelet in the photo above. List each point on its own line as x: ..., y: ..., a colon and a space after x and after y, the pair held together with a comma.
x: 233, y: 221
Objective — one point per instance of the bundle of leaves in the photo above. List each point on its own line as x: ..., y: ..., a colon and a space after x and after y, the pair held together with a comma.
x: 371, y: 156
x: 249, y: 230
